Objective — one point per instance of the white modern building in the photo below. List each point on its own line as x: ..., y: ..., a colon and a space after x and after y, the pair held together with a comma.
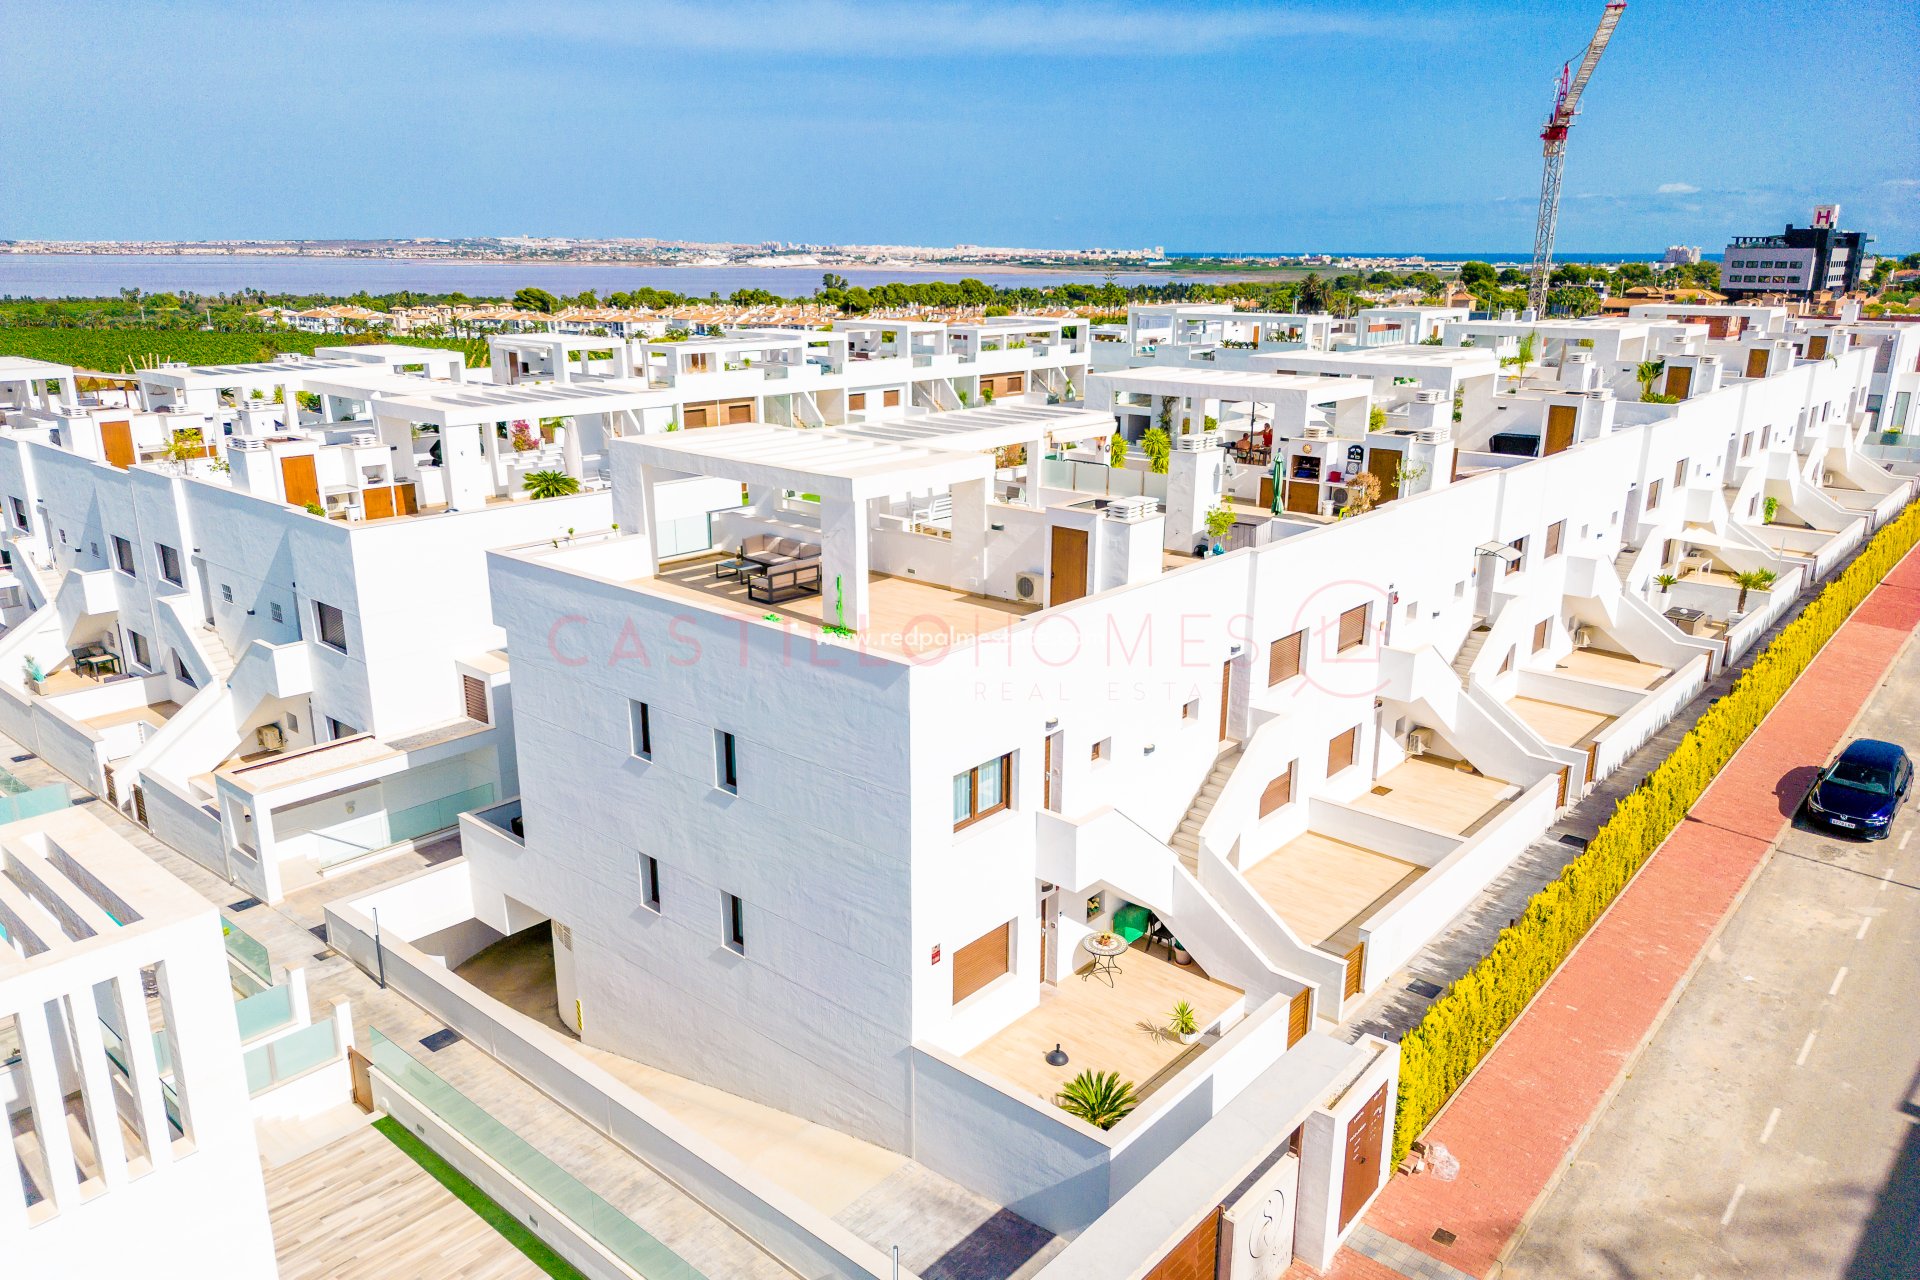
x: 879, y: 753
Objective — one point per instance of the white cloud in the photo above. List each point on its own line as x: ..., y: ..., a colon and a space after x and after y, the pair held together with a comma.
x: 1676, y: 189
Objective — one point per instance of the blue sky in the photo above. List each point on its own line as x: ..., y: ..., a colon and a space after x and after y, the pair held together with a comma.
x: 1359, y: 126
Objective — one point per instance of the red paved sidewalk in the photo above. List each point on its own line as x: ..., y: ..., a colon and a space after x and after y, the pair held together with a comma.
x: 1516, y: 1121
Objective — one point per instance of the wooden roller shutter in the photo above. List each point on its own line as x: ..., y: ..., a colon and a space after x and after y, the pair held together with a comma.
x: 1353, y: 628
x: 1283, y: 658
x: 981, y: 961
x: 474, y: 693
x: 1279, y: 792
x: 1340, y: 751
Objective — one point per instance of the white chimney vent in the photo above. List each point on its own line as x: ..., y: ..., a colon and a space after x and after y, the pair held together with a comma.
x: 1133, y: 510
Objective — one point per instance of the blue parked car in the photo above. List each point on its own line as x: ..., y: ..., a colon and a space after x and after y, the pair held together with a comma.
x: 1863, y: 789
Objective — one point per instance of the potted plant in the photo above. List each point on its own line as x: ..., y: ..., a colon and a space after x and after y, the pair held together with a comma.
x: 1180, y: 955
x: 1769, y: 509
x: 1183, y: 1024
x: 1101, y: 1098
x: 1219, y: 525
x: 1665, y: 582
x: 34, y: 675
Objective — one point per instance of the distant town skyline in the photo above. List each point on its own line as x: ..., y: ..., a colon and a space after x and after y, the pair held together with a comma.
x: 1358, y: 127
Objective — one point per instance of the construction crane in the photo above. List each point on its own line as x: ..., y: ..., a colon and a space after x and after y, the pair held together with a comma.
x: 1566, y: 101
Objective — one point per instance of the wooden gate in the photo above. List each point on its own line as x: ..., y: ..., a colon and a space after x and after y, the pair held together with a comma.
x: 1365, y: 1134
x: 298, y: 480
x: 1195, y: 1258
x: 1757, y: 363
x: 1679, y: 381
x: 1384, y: 465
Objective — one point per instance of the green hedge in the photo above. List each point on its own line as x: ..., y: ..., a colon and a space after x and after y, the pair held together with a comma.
x: 1462, y: 1025
x: 123, y: 350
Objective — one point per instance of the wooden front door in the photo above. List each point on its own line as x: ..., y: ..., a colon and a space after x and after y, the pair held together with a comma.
x: 1051, y: 797
x: 1757, y: 363
x: 299, y: 481
x: 1049, y: 933
x: 1365, y: 1134
x: 1384, y: 465
x: 1226, y: 696
x: 358, y: 1063
x: 1266, y: 493
x: 377, y: 504
x: 116, y: 438
x: 1560, y: 420
x: 1303, y: 497
x: 1679, y: 381
x: 1067, y: 574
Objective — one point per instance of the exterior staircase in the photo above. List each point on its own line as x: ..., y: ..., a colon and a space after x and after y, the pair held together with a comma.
x: 1469, y: 650
x: 1623, y: 563
x: 1186, y: 841
x: 219, y: 658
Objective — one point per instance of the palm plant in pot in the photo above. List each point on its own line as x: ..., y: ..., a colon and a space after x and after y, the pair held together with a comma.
x: 1666, y: 582
x: 1101, y: 1098
x: 1183, y: 1023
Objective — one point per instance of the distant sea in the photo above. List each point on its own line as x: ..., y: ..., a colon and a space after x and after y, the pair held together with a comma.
x: 60, y: 275
x: 1478, y: 255
x: 75, y: 275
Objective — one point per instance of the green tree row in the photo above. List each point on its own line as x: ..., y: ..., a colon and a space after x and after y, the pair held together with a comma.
x: 1465, y: 1022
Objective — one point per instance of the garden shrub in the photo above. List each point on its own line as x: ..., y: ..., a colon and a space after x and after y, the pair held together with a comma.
x: 1465, y: 1022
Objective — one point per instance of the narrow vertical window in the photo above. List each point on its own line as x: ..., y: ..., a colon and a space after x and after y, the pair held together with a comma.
x: 726, y: 763
x: 640, y: 729
x: 650, y: 882
x: 736, y: 924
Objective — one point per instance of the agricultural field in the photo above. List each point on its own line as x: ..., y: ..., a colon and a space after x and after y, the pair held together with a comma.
x: 121, y: 350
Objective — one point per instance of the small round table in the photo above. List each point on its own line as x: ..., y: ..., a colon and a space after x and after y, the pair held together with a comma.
x: 1104, y: 954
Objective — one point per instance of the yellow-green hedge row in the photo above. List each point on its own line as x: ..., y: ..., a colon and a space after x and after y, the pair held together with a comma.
x: 1463, y: 1024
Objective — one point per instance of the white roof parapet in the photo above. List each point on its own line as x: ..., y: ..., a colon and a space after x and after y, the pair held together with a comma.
x: 1236, y: 384
x: 451, y: 404
x: 830, y: 463
x: 978, y: 430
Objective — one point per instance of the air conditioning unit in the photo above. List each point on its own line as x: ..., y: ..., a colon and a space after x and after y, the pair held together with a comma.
x: 270, y: 737
x: 1028, y: 586
x: 1419, y: 741
x: 1583, y: 637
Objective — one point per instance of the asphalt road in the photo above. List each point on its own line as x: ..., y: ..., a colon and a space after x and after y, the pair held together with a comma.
x: 1772, y: 1127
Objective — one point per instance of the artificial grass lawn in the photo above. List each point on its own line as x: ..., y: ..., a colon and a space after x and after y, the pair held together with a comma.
x: 510, y: 1227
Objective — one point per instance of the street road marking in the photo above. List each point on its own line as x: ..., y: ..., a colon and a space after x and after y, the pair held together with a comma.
x: 1733, y: 1204
x: 1905, y: 838
x: 1886, y: 879
x: 1773, y: 1118
x: 1806, y: 1049
x: 1863, y: 928
x: 1838, y: 978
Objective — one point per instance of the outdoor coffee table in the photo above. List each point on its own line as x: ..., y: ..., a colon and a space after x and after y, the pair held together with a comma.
x: 1105, y: 948
x: 736, y: 569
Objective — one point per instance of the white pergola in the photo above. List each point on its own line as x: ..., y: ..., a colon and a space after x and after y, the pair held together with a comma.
x: 985, y: 430
x: 846, y: 471
x: 465, y: 415
x: 557, y: 349
x: 23, y: 383
x: 1293, y: 396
